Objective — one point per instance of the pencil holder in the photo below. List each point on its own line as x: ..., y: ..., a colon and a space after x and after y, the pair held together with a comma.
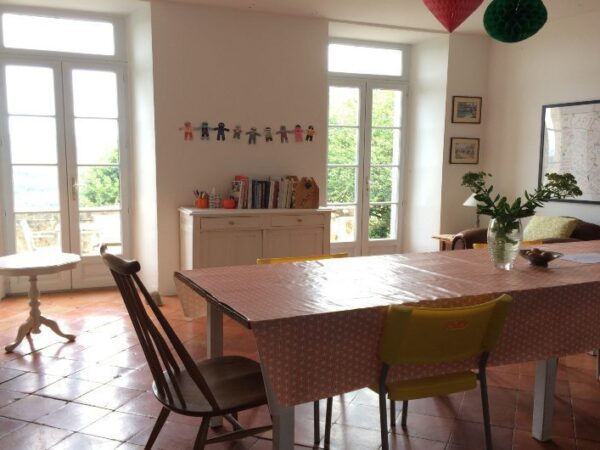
x: 201, y: 203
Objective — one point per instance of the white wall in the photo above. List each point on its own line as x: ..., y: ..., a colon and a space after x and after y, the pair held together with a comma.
x: 467, y: 76
x: 143, y: 156
x: 236, y: 67
x: 424, y: 164
x: 560, y: 64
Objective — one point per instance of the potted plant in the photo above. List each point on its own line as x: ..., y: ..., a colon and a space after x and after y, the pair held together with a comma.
x: 504, y: 230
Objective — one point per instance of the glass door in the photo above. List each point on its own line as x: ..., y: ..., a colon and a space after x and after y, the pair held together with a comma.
x: 63, y: 138
x: 364, y: 165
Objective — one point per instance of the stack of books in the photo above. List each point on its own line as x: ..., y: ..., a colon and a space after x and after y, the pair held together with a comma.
x: 264, y: 193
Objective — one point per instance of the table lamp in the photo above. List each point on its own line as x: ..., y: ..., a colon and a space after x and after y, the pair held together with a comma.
x: 472, y: 203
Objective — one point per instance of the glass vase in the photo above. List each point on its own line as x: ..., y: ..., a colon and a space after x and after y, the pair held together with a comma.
x: 504, y: 240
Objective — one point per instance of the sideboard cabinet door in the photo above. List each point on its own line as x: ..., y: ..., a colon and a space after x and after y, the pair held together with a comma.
x: 293, y: 242
x: 230, y: 248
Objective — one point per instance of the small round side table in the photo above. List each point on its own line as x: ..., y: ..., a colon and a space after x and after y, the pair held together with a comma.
x: 32, y: 265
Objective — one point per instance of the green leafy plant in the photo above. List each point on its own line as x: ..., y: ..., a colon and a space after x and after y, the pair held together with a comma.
x: 556, y: 187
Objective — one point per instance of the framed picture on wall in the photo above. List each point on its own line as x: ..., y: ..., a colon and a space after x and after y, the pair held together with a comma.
x: 466, y: 109
x: 570, y: 143
x: 464, y: 151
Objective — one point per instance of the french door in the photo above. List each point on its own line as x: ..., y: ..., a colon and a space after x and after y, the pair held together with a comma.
x: 364, y: 163
x: 63, y: 164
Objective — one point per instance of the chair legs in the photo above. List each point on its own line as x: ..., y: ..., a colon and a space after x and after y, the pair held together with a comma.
x: 328, y: 413
x: 160, y: 421
x: 392, y: 413
x: 486, y: 410
x: 404, y: 414
x: 202, y: 434
x: 317, y: 420
x: 383, y: 422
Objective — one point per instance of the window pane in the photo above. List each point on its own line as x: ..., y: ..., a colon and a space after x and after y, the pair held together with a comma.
x: 383, y: 184
x: 387, y: 108
x: 37, y: 231
x: 385, y: 146
x: 341, y: 185
x: 30, y: 90
x: 95, y: 94
x: 381, y: 222
x: 365, y: 60
x: 343, y: 224
x: 343, y: 105
x: 97, y: 228
x: 32, y: 140
x: 59, y: 35
x: 35, y: 188
x: 97, y: 141
x: 342, y: 146
x: 99, y: 187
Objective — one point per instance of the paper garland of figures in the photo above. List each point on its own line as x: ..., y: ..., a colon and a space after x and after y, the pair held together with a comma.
x: 514, y: 20
x: 452, y: 13
x: 300, y: 134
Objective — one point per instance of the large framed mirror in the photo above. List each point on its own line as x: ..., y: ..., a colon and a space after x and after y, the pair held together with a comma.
x: 570, y: 143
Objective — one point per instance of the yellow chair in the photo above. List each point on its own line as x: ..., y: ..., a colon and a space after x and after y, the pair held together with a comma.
x: 317, y: 431
x: 414, y: 335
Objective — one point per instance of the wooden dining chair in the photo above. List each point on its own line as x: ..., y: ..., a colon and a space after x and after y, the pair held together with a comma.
x: 316, y: 404
x: 209, y: 388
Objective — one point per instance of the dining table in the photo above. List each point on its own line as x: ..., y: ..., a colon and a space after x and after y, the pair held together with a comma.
x: 317, y: 324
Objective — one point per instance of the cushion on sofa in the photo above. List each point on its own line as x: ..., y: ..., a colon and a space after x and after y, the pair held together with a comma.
x: 548, y: 227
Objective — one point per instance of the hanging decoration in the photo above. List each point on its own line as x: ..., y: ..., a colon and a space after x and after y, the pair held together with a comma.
x: 514, y: 20
x: 188, y: 131
x: 452, y: 13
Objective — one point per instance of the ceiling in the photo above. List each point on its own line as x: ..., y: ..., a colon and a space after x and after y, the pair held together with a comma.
x: 397, y: 13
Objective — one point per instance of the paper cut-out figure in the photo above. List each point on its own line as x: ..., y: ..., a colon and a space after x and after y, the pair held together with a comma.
x: 237, y: 132
x: 252, y: 135
x: 204, y: 131
x: 221, y: 131
x: 298, y: 133
x: 283, y: 132
x: 310, y: 132
x: 268, y: 134
x: 188, y: 131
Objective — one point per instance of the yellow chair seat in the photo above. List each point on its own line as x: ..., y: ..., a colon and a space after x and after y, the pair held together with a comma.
x: 431, y: 386
x: 482, y: 246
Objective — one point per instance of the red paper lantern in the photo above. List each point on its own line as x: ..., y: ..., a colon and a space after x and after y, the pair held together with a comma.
x: 451, y: 13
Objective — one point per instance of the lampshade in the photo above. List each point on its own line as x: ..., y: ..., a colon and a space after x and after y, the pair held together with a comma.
x: 471, y: 202
x: 514, y: 20
x: 451, y: 13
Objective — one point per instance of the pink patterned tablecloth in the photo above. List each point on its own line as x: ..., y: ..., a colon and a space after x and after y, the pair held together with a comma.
x: 317, y: 324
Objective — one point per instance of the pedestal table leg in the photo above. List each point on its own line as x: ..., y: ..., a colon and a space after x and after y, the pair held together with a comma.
x: 214, y: 341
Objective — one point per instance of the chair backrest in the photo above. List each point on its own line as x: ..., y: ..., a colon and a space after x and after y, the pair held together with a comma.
x: 161, y: 361
x: 433, y: 335
x: 299, y: 258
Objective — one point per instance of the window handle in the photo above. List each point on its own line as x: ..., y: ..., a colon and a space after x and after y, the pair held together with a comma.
x: 74, y: 188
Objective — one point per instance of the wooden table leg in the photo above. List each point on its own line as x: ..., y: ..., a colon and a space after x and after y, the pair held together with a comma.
x: 282, y: 416
x: 543, y: 400
x: 214, y: 341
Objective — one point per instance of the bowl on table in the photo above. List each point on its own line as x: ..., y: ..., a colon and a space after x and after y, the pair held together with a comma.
x: 539, y: 257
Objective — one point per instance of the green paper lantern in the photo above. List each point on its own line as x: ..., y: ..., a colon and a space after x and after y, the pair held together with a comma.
x: 514, y: 20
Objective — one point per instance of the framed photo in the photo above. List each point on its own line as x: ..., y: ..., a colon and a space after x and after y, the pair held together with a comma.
x: 570, y: 143
x: 464, y: 151
x: 466, y: 109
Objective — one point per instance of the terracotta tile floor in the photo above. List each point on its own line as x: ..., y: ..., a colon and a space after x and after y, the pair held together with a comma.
x: 93, y: 393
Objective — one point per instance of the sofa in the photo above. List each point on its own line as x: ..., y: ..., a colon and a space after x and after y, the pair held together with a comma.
x: 584, y: 231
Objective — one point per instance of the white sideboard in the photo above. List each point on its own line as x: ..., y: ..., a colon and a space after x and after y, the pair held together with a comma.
x: 229, y: 237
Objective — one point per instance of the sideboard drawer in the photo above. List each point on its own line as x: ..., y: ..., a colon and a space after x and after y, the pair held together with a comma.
x: 297, y: 220
x: 230, y: 223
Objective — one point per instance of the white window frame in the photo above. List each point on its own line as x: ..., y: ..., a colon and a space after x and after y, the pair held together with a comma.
x: 366, y: 83
x: 62, y: 62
